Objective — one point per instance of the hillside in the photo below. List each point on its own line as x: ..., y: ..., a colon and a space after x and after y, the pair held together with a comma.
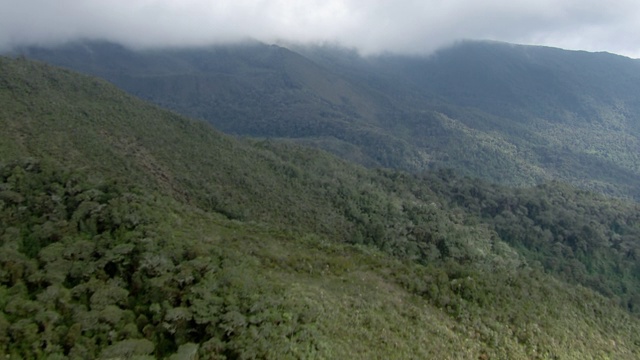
x: 246, y: 89
x: 515, y: 115
x: 559, y: 114
x: 130, y: 231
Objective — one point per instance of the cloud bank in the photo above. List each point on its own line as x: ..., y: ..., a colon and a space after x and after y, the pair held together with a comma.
x: 371, y: 26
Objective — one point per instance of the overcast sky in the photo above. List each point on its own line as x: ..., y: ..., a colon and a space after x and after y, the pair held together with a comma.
x: 406, y: 26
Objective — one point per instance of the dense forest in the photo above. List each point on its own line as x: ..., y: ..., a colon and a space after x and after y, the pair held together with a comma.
x: 128, y: 231
x: 509, y: 114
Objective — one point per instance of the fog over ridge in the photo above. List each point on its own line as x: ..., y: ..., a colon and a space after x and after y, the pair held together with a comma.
x: 372, y: 26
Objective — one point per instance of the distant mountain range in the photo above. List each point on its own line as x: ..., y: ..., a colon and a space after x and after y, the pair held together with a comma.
x: 511, y: 114
x: 129, y: 231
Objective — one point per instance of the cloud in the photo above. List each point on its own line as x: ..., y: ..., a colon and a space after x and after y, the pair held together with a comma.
x: 372, y: 26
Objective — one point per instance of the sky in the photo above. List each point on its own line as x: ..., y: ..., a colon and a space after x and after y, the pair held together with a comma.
x: 370, y: 26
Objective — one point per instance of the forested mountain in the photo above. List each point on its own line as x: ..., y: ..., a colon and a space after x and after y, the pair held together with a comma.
x: 516, y: 115
x: 130, y: 231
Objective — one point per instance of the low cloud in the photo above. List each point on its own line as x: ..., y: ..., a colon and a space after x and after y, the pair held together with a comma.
x: 372, y: 26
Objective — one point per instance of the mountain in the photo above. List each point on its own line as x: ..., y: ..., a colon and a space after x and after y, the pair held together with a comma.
x: 515, y: 115
x: 247, y: 89
x: 569, y: 115
x: 128, y: 231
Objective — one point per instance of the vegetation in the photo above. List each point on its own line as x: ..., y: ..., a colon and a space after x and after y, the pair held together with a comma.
x: 131, y: 232
x: 579, y: 236
x: 515, y: 115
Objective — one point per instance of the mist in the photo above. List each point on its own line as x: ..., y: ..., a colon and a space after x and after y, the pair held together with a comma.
x: 371, y: 27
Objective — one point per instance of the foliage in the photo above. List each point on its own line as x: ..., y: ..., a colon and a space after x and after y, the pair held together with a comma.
x: 582, y: 237
x: 155, y: 277
x: 127, y: 231
x: 516, y: 115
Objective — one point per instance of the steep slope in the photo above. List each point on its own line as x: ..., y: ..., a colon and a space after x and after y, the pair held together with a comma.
x: 248, y: 89
x: 517, y: 115
x: 525, y: 82
x: 129, y: 231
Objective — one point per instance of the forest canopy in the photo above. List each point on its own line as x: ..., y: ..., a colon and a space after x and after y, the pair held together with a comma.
x: 127, y: 231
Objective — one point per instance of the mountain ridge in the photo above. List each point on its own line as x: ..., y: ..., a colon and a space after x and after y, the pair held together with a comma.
x: 130, y: 231
x: 512, y: 114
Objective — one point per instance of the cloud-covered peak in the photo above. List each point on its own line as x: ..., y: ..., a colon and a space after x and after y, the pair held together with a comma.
x: 372, y: 26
